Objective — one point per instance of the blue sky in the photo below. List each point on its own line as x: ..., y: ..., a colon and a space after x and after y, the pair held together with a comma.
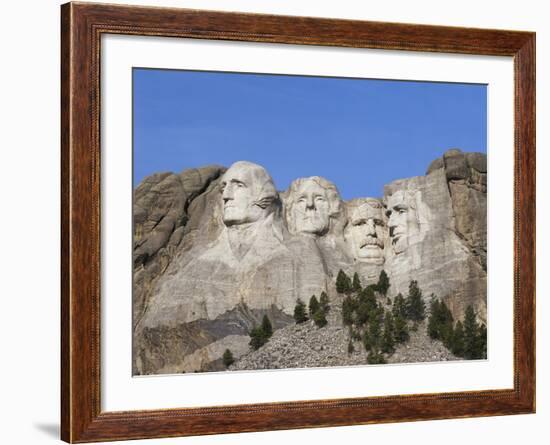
x: 358, y: 133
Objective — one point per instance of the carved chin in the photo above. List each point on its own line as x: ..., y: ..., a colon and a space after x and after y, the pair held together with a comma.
x: 371, y: 254
x: 233, y: 216
x: 313, y: 227
x: 400, y: 245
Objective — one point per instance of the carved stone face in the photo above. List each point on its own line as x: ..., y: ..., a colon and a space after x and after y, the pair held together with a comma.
x: 311, y: 209
x: 247, y: 193
x: 400, y: 217
x: 366, y: 230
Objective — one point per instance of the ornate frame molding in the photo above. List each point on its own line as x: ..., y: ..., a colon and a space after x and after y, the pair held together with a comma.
x: 82, y: 25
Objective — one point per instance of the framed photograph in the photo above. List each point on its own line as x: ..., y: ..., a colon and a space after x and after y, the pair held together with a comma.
x: 274, y: 222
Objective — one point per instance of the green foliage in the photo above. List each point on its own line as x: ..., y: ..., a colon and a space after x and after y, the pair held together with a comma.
x: 354, y: 334
x: 228, y: 358
x: 343, y: 283
x: 388, y: 337
x: 300, y: 315
x: 313, y: 306
x: 375, y: 358
x: 348, y: 307
x: 481, y: 344
x: 475, y: 337
x: 433, y: 325
x: 414, y: 304
x: 368, y: 296
x: 470, y: 333
x: 259, y: 335
x: 440, y: 322
x: 367, y: 343
x: 267, y: 328
x: 383, y: 283
x: 257, y: 338
x: 468, y: 339
x: 319, y: 318
x: 399, y: 308
x: 324, y: 302
x: 362, y: 313
x: 375, y: 327
x: 356, y: 286
x: 401, y: 329
x: 457, y: 345
x: 371, y: 288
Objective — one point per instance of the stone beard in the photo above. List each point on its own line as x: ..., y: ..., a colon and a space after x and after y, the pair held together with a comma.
x: 366, y: 230
x: 402, y: 220
x: 312, y: 203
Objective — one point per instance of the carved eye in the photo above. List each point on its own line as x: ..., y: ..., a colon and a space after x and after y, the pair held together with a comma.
x: 320, y: 199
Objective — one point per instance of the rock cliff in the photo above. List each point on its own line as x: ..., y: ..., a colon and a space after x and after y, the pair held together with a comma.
x: 215, y: 250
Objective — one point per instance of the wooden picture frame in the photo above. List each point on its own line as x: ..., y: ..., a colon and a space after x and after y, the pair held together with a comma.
x: 82, y: 25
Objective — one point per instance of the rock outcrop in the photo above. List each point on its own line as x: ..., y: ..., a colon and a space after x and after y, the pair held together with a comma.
x: 215, y: 250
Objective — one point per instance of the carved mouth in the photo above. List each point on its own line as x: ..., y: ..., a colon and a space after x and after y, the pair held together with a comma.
x: 372, y: 243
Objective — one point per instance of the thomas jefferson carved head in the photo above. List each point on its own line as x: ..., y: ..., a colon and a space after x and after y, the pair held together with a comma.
x: 366, y: 230
x: 402, y: 219
x: 312, y: 204
x: 248, y: 193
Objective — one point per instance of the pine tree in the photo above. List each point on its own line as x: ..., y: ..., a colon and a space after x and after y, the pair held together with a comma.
x: 300, y: 315
x: 368, y: 297
x: 350, y: 347
x: 367, y: 343
x: 259, y: 335
x: 347, y: 310
x: 446, y: 325
x: 313, y: 306
x: 383, y: 283
x: 356, y: 283
x: 457, y: 345
x: 257, y: 338
x: 343, y: 283
x: 362, y: 313
x: 375, y: 358
x: 375, y: 327
x: 227, y: 358
x: 388, y: 337
x: 267, y: 329
x: 324, y: 302
x: 354, y: 334
x: 399, y: 308
x: 320, y: 319
x: 401, y: 329
x: 415, y: 307
x: 433, y: 320
x: 481, y: 342
x: 470, y: 334
x: 440, y: 322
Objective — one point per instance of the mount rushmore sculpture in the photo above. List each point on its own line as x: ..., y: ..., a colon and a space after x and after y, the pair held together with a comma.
x: 216, y: 249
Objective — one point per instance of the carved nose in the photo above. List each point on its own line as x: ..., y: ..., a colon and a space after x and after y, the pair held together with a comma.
x: 370, y: 228
x: 310, y: 203
x: 227, y: 194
